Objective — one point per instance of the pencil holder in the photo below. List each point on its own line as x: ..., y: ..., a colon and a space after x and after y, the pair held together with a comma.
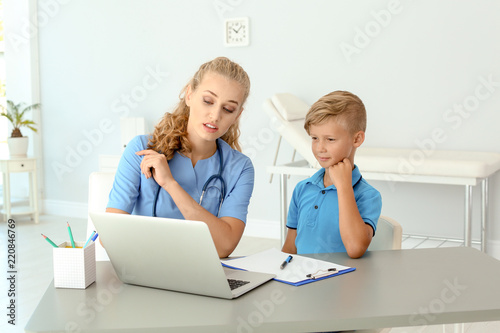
x: 74, y: 267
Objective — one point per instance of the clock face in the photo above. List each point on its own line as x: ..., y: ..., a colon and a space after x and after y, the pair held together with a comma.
x: 236, y: 32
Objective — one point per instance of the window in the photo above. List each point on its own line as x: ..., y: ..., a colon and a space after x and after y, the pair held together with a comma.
x: 3, y: 121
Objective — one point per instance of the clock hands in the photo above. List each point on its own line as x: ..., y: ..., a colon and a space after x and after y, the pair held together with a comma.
x: 238, y: 29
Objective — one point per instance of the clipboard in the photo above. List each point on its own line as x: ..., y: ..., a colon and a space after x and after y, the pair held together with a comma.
x: 300, y: 270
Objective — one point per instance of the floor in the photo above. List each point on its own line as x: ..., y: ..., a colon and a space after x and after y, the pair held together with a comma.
x: 34, y: 268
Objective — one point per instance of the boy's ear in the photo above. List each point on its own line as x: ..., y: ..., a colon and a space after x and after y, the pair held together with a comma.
x: 359, y: 138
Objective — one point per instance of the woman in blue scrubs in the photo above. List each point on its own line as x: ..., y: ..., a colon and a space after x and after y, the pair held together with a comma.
x: 191, y: 166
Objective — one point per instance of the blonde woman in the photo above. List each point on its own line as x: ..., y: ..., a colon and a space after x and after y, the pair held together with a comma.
x: 191, y: 166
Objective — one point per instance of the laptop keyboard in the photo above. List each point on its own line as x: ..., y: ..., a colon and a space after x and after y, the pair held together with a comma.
x: 233, y: 283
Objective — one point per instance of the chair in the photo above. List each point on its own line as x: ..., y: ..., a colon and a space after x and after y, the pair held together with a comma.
x: 388, y: 236
x: 100, y: 184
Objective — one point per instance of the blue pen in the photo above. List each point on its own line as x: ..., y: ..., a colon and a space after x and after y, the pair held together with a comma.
x: 95, y: 237
x: 286, y: 262
x: 88, y: 240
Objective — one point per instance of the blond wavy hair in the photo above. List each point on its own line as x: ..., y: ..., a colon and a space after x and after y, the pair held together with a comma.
x: 170, y: 134
x: 347, y: 109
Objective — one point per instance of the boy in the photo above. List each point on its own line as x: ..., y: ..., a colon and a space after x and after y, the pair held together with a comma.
x: 335, y: 210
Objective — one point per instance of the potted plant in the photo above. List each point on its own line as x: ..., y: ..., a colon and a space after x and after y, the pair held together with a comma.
x: 18, y: 144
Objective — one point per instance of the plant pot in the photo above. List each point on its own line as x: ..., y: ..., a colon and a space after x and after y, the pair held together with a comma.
x: 18, y: 146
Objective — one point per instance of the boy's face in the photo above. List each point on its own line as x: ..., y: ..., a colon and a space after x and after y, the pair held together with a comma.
x: 331, y: 142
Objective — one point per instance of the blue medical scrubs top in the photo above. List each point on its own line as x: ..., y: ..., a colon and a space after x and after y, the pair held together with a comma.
x: 135, y: 194
x: 314, y: 212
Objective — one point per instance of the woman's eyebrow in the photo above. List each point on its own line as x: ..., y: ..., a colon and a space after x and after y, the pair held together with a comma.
x: 215, y: 95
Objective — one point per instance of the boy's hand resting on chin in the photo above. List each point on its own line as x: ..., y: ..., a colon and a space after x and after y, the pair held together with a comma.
x: 341, y: 174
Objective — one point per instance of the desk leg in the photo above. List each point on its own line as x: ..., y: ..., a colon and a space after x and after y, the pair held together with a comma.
x: 484, y: 213
x: 284, y: 208
x: 34, y: 195
x: 457, y: 328
x: 468, y: 215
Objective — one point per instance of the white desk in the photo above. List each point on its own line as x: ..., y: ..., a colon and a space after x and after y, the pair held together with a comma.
x: 403, y: 165
x: 13, y: 165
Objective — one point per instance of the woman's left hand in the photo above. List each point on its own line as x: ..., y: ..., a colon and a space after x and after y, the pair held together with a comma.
x: 155, y: 165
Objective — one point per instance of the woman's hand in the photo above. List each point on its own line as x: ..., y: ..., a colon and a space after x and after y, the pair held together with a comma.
x: 155, y: 165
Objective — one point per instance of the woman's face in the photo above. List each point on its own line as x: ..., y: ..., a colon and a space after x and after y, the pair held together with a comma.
x: 214, y: 106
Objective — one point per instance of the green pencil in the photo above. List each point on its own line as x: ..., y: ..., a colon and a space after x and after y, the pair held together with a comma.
x: 71, y: 236
x: 48, y: 240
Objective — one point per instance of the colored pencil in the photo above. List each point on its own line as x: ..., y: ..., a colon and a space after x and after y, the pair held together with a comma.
x: 50, y: 242
x: 90, y: 238
x: 71, y: 236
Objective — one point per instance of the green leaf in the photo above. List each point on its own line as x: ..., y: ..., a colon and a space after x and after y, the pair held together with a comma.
x: 15, y: 113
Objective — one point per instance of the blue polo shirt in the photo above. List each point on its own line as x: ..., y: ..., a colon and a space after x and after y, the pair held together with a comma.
x: 135, y: 194
x: 314, y: 212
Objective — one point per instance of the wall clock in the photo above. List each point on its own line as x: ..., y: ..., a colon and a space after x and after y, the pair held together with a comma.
x: 236, y: 32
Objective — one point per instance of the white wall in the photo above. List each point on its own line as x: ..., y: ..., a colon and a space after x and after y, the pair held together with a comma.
x: 410, y: 70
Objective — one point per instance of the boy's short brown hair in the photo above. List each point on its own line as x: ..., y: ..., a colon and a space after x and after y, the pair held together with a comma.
x: 345, y: 107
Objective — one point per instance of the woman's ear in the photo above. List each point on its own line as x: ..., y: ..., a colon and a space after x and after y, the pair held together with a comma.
x: 239, y: 115
x: 359, y: 138
x: 187, y: 95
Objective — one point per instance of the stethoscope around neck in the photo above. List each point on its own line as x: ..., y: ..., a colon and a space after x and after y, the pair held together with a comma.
x: 214, y: 177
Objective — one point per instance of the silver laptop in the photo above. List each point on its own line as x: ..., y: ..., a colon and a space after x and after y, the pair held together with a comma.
x: 170, y: 254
